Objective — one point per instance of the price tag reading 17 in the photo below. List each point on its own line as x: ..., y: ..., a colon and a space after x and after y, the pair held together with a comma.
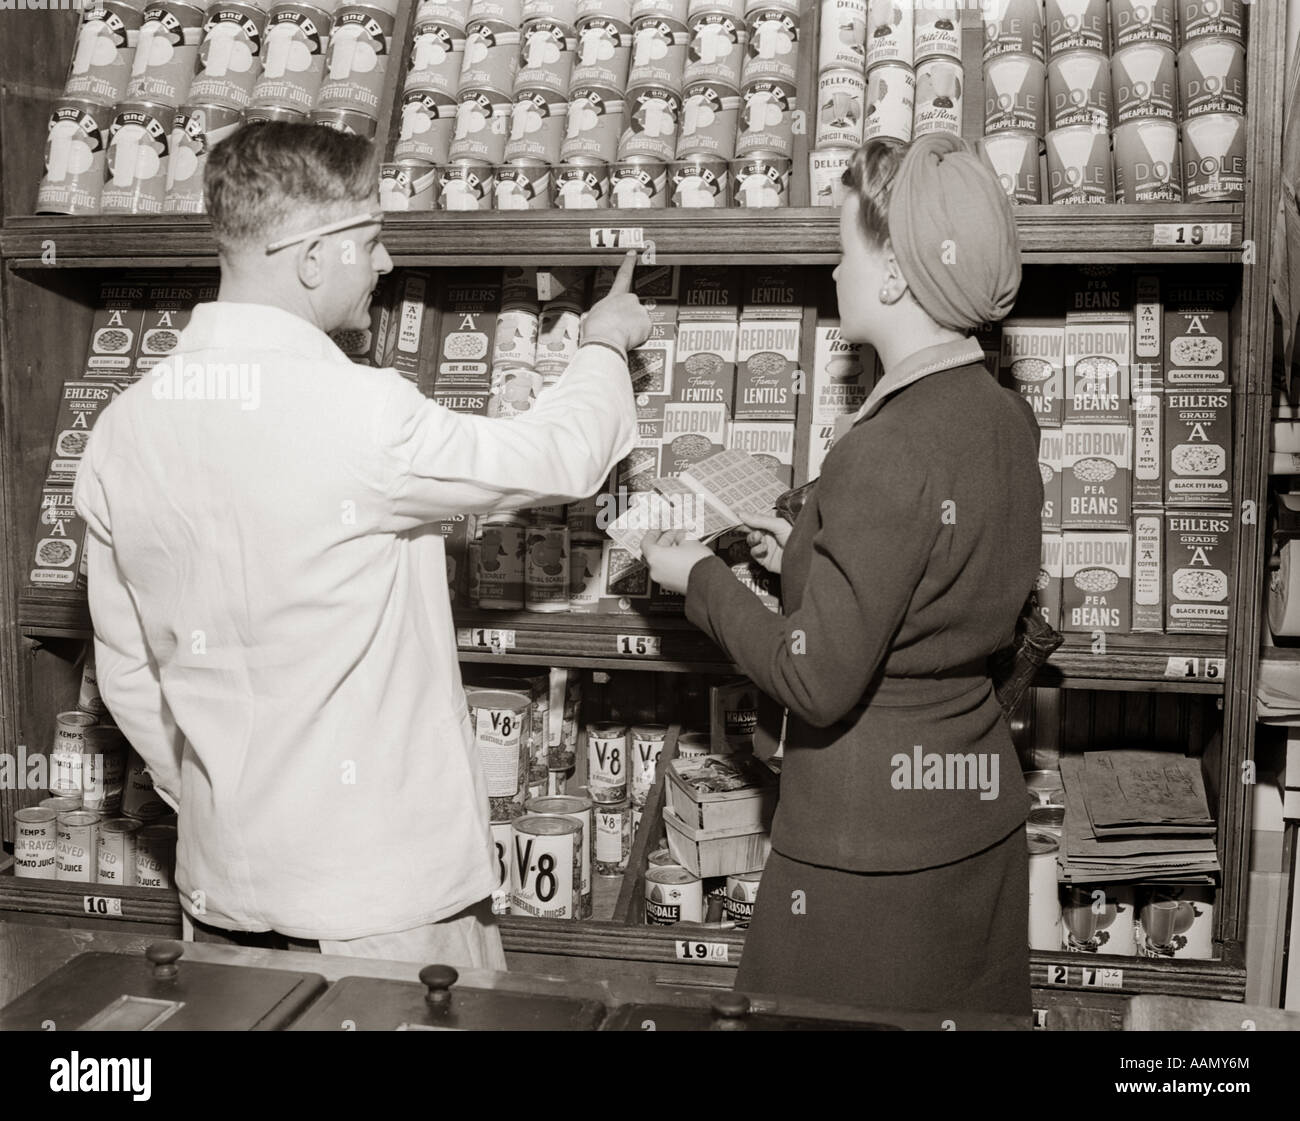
x: 1192, y: 235
x: 639, y: 645
x: 624, y: 237
x: 701, y: 951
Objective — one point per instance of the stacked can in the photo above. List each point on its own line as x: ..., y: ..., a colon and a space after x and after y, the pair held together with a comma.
x: 597, y: 110
x: 936, y: 52
x: 547, y: 52
x: 546, y: 573
x: 708, y: 108
x: 501, y: 549
x: 608, y: 752
x: 1079, y: 103
x: 412, y: 181
x: 581, y: 810
x: 1212, y: 99
x: 293, y: 58
x: 841, y: 93
x: 1015, y: 100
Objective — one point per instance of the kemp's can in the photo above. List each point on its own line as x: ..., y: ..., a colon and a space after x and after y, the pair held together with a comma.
x: 840, y: 96
x: 673, y: 895
x: 1212, y: 76
x: 501, y: 563
x: 135, y: 167
x: 581, y: 184
x: 647, y: 744
x: 491, y: 57
x: 75, y: 147
x: 1199, y: 18
x: 937, y: 33
x: 716, y: 52
x: 155, y: 856
x: 356, y: 67
x: 654, y: 116
x: 1147, y: 164
x: 938, y: 97
x: 891, y: 102
x: 196, y: 128
x: 482, y: 121
x: 428, y: 124
x: 267, y: 113
x: 500, y: 718
x: 115, y: 856
x: 437, y: 55
x: 546, y: 573
x: 1141, y: 21
x: 659, y: 49
x: 546, y: 867
x: 595, y: 123
x: 842, y: 35
x: 1014, y: 27
x: 826, y: 178
x: 1076, y: 25
x: 293, y: 56
x: 1078, y: 90
x: 408, y: 185
x: 523, y: 184
x: 773, y: 50
x: 75, y: 846
x: 708, y: 122
x: 230, y: 55
x: 1214, y: 158
x: 742, y: 893
x: 104, y: 52
x: 103, y: 769
x: 139, y: 799
x: 760, y: 181
x: 1079, y: 165
x: 613, y: 838
x: 352, y: 121
x: 68, y: 753
x: 166, y: 53
x: 607, y: 762
x: 604, y: 55
x: 1015, y: 94
x: 767, y: 114
x: 890, y: 33
x: 547, y: 51
x: 35, y: 843
x: 537, y: 126
x: 698, y: 182
x: 573, y: 807
x: 1142, y: 80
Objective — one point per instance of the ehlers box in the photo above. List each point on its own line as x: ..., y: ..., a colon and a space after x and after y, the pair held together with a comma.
x: 1198, y: 447
x: 1198, y: 568
x: 79, y: 407
x: 115, y: 330
x: 467, y: 330
x: 1148, y: 572
x: 58, y: 557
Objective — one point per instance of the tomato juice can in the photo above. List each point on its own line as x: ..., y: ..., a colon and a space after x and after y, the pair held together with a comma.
x: 613, y: 838
x: 76, y: 838
x: 546, y: 867
x: 67, y: 756
x: 115, y: 856
x: 500, y: 718
x: 607, y: 761
x: 573, y: 807
x: 36, y: 843
x: 501, y: 567
x: 155, y: 856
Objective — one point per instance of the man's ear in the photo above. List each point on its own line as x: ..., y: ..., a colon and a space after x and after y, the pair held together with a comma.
x: 311, y: 263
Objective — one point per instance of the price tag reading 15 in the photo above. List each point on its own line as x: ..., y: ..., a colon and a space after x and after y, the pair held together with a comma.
x: 639, y: 645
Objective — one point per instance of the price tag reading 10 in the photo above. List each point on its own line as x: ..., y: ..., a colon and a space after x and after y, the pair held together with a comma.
x: 639, y: 645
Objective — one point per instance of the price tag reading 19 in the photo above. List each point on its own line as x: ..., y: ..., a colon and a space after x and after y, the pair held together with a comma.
x: 701, y: 951
x: 1192, y: 235
x: 639, y: 645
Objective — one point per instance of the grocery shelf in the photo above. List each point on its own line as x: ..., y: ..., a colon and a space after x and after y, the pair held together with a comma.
x: 1149, y: 232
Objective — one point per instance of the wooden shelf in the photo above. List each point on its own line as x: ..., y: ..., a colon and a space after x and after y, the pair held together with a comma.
x: 806, y: 235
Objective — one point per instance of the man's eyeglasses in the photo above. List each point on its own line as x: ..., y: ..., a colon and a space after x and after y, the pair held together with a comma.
x: 330, y: 228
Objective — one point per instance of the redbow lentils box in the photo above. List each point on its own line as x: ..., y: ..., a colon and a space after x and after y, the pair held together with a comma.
x: 691, y: 433
x: 79, y: 407
x: 1096, y: 582
x: 1096, y: 476
x: 704, y: 370
x: 1198, y: 571
x: 771, y: 442
x: 58, y: 559
x: 773, y: 292
x: 1198, y: 446
x: 767, y: 358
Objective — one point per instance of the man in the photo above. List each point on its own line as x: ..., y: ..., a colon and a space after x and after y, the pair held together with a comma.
x: 272, y: 620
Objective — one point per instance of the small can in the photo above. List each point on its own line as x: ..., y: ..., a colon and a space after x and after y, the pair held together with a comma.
x: 1078, y: 90
x: 196, y: 129
x: 1015, y: 94
x: 582, y: 184
x: 938, y: 97
x: 607, y: 747
x: 482, y: 122
x: 115, y: 857
x: 135, y: 167
x: 658, y: 53
x: 408, y: 185
x: 523, y: 184
x: 356, y: 67
x: 139, y: 799
x: 673, y: 895
x: 449, y: 11
x: 826, y: 169
x: 937, y: 32
x: 547, y: 52
x: 1048, y: 819
x: 501, y: 732
x: 166, y: 54
x: 661, y: 858
x: 561, y: 11
x: 437, y: 55
x: 716, y: 52
x: 61, y: 803
x: 891, y: 102
x: 1141, y: 21
x: 1212, y: 76
x: 1147, y: 164
x: 267, y: 113
x: 646, y: 746
x: 760, y: 181
x: 891, y: 33
x: 582, y: 518
x: 595, y: 123
x: 514, y: 389
x: 1177, y: 922
x: 546, y: 578
x: 155, y: 856
x: 613, y: 838
x: 708, y: 122
x: 104, y: 769
x: 1072, y: 25
x: 36, y: 843
x: 584, y: 573
x: 773, y: 50
x: 1014, y: 27
x: 491, y: 57
x: 503, y: 856
x: 693, y: 745
x: 1044, y: 894
x: 428, y: 124
x: 604, y: 54
x: 698, y: 182
x: 537, y: 126
x: 230, y: 55
x: 501, y: 565
x: 352, y: 121
x: 840, y: 96
x: 506, y: 11
x: 1079, y: 165
x: 546, y: 867
x: 742, y: 893
x: 76, y: 837
x: 1099, y: 919
x: 558, y: 329
x: 1014, y: 156
x: 767, y: 116
x: 636, y: 183
x: 297, y: 38
x: 574, y: 808
x: 104, y: 52
x: 1214, y: 158
x: 842, y: 35
x: 88, y: 698
x: 1200, y: 18
x: 515, y: 339
x: 67, y: 757
x: 653, y: 116
x: 1142, y: 80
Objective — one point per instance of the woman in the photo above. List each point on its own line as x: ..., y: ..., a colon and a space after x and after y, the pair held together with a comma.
x: 898, y: 877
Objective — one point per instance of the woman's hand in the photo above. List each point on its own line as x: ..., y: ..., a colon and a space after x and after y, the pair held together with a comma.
x: 671, y: 558
x: 766, y: 540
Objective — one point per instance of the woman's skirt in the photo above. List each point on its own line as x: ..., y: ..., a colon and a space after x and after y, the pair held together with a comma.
x: 947, y: 940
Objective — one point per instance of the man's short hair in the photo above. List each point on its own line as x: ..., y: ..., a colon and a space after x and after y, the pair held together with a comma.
x: 259, y: 177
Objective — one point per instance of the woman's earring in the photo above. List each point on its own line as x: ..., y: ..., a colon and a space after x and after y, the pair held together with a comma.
x: 884, y: 296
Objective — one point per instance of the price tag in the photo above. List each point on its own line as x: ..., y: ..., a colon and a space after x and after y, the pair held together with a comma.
x: 1192, y: 235
x: 487, y: 639
x: 1040, y: 1019
x: 623, y: 237
x: 1185, y: 668
x: 1058, y: 974
x: 702, y: 951
x: 1095, y: 978
x: 639, y: 645
x: 1214, y: 669
x: 101, y: 905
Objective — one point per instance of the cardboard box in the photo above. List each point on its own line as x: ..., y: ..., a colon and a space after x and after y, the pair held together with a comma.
x: 649, y: 282
x: 168, y: 306
x: 1048, y: 585
x: 1197, y: 337
x: 1148, y: 572
x: 704, y: 368
x: 1100, y: 291
x: 413, y: 329
x: 457, y: 530
x: 843, y: 375
x: 771, y: 442
x: 1096, y: 476
x: 709, y: 292
x: 1148, y: 333
x: 636, y: 473
x: 664, y: 602
x: 58, y: 556
x: 773, y: 292
x: 1050, y: 446
x: 115, y: 330
x: 733, y: 548
x: 80, y: 404
x: 624, y: 582
x: 1033, y: 364
x: 1096, y: 583
x: 691, y: 433
x: 466, y: 332
x: 1098, y: 356
x: 767, y: 353
x: 1148, y: 447
x: 474, y: 402
x: 1198, y: 571
x: 733, y: 716
x: 1198, y: 447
